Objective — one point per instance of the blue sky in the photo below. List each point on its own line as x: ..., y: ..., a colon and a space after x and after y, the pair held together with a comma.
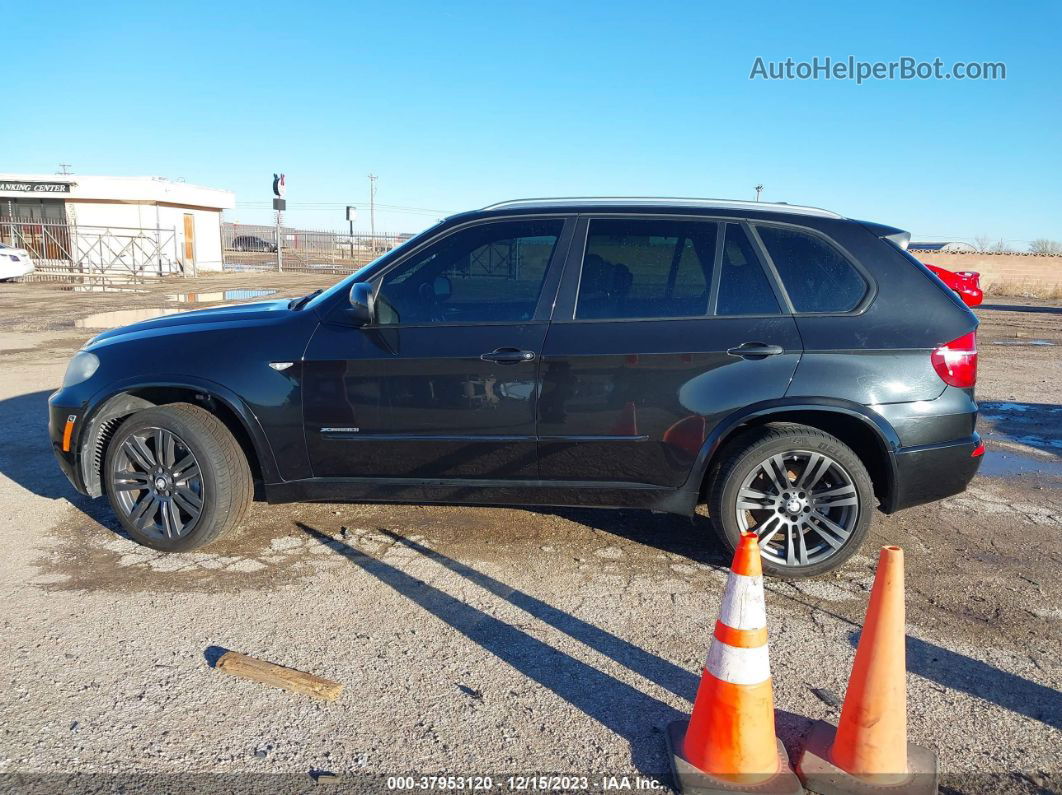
x: 455, y: 105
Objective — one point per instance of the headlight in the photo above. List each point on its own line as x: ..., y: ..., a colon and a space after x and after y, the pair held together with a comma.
x: 81, y: 368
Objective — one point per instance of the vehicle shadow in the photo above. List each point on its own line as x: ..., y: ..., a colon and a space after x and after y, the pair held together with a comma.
x: 690, y: 537
x: 628, y: 712
x: 26, y: 456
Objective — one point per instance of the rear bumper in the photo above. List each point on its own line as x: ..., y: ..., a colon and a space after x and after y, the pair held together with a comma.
x: 932, y: 472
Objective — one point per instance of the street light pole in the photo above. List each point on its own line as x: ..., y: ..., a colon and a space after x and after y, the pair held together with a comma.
x: 759, y: 189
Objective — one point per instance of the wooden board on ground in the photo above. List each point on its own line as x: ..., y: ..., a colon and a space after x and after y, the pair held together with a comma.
x: 232, y: 662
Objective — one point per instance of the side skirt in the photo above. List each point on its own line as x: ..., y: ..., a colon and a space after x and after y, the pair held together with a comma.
x: 457, y: 491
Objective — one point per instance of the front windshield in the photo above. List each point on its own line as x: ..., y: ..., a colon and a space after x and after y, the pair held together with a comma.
x: 344, y: 285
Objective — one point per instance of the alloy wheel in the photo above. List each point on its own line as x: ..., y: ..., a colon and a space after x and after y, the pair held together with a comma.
x: 803, y: 505
x: 157, y: 483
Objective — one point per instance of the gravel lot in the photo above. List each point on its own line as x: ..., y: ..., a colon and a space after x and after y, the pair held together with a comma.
x: 493, y: 641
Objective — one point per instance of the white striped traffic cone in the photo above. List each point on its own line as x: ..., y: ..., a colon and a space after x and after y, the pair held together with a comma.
x: 729, y: 744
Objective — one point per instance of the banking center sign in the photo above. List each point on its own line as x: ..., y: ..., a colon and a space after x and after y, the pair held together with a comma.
x: 34, y: 187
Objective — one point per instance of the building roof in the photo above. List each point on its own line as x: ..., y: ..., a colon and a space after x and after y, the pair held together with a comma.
x: 130, y: 189
x: 626, y: 202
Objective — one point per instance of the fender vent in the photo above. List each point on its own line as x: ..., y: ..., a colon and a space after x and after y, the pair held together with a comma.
x: 103, y: 437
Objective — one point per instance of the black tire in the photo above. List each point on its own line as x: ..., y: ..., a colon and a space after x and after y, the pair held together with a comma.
x: 165, y: 502
x: 790, y: 518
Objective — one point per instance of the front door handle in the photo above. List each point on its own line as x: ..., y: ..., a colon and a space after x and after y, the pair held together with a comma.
x: 755, y: 350
x: 508, y: 356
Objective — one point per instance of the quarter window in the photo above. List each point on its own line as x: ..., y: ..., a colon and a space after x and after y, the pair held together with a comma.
x: 491, y: 273
x: 815, y: 274
x: 646, y: 269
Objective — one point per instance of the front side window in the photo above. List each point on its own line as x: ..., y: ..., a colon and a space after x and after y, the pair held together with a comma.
x: 815, y: 274
x: 646, y: 269
x: 490, y: 273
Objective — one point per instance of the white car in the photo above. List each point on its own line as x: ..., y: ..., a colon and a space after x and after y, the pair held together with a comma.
x: 14, y: 262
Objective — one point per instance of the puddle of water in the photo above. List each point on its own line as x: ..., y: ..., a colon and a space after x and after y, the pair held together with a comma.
x: 218, y: 296
x: 121, y: 317
x: 1019, y: 341
x: 1009, y: 464
x: 98, y: 288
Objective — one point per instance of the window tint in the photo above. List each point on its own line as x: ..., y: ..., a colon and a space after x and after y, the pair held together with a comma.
x: 816, y: 276
x: 635, y: 269
x: 743, y: 286
x: 487, y: 273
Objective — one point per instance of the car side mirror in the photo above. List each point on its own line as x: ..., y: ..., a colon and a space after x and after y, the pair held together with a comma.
x: 362, y: 304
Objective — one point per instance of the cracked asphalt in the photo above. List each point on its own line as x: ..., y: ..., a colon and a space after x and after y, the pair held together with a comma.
x: 498, y: 642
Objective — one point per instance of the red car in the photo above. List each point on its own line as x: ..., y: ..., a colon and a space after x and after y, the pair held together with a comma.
x: 966, y: 283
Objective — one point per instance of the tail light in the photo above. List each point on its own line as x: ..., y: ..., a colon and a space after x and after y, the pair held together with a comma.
x: 956, y: 361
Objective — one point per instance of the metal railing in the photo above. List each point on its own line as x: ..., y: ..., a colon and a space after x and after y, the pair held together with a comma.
x: 254, y: 247
x: 64, y: 249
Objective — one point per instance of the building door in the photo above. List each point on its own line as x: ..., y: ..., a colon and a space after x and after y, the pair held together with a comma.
x: 189, y: 240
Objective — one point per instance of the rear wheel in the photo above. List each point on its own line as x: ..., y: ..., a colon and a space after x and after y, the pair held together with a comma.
x: 176, y: 477
x: 805, y: 493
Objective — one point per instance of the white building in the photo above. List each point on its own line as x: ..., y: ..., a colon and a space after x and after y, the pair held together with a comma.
x: 183, y: 221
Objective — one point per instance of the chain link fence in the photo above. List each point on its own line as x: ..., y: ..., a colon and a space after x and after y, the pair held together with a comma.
x: 255, y: 247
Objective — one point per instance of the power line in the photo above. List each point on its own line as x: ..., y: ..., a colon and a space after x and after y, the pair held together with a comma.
x: 329, y: 206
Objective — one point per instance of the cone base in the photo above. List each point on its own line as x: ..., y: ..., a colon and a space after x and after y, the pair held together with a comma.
x: 690, y: 780
x: 821, y: 775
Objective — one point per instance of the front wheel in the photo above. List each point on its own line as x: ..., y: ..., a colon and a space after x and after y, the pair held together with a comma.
x: 176, y: 477
x: 805, y: 494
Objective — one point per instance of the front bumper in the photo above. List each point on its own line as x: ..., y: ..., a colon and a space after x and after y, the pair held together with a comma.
x: 65, y: 446
x: 932, y: 472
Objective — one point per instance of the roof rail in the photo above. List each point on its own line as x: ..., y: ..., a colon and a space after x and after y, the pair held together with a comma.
x: 664, y: 201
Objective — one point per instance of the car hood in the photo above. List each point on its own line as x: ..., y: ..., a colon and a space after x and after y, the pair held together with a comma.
x: 238, y: 314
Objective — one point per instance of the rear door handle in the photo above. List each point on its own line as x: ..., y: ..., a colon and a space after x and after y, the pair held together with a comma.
x: 508, y: 356
x: 755, y: 350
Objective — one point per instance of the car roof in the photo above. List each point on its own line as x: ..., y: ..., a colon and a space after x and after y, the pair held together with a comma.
x: 599, y: 203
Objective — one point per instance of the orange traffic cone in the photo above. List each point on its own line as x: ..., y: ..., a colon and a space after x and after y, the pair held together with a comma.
x: 729, y: 744
x: 868, y: 751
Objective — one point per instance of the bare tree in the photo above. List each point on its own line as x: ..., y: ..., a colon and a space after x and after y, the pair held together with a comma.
x: 1044, y: 246
x: 983, y: 243
x: 1001, y: 246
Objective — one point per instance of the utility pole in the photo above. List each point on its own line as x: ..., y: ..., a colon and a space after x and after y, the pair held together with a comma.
x: 372, y: 209
x: 759, y: 190
x: 280, y: 204
x: 280, y: 241
x: 64, y: 168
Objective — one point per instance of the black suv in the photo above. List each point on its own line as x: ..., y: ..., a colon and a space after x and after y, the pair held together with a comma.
x: 786, y: 366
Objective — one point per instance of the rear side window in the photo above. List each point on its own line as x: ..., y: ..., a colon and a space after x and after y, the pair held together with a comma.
x: 743, y: 286
x: 646, y: 268
x: 815, y: 274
